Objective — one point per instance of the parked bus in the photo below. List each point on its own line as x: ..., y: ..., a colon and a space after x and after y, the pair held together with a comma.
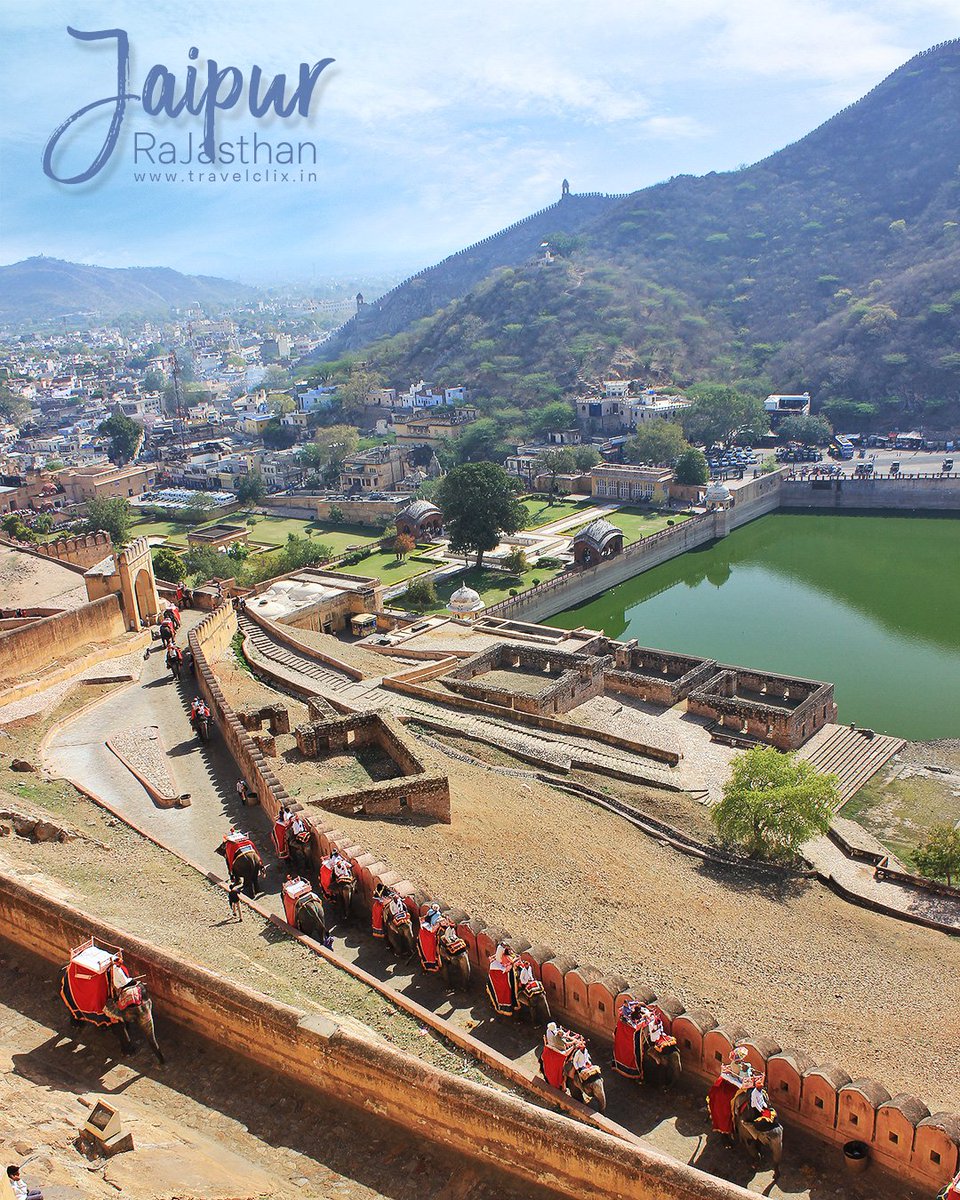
x: 841, y: 447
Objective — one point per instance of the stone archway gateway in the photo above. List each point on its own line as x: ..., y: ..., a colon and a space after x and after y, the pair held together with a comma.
x: 128, y: 574
x: 145, y: 595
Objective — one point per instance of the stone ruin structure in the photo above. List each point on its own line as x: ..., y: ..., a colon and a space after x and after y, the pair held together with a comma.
x: 128, y: 575
x: 745, y: 704
x: 416, y: 791
x: 772, y: 708
x: 566, y: 680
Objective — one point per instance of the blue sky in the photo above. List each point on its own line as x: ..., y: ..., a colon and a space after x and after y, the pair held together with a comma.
x: 437, y: 124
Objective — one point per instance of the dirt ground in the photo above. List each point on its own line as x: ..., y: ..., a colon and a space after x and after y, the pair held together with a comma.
x: 201, y: 1129
x: 790, y: 960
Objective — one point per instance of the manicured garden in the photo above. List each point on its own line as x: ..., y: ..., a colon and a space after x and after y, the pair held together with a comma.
x: 492, y: 585
x: 385, y: 565
x: 265, y: 530
x: 638, y: 523
x: 539, y: 512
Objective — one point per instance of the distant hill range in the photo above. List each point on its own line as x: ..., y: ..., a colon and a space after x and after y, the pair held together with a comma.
x: 41, y: 288
x: 833, y: 265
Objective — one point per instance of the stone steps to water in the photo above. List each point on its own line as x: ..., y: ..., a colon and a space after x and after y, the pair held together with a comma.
x: 853, y: 755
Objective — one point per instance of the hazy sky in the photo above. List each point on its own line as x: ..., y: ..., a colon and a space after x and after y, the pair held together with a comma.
x: 436, y: 125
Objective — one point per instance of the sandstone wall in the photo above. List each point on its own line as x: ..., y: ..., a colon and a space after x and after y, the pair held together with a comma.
x: 931, y: 493
x: 84, y: 551
x: 32, y: 648
x: 492, y: 1127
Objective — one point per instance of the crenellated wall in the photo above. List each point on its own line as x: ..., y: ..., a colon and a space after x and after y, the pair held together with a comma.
x: 316, y: 1053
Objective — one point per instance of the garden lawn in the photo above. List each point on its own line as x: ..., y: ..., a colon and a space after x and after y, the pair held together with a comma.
x: 274, y: 531
x: 387, y: 567
x: 493, y: 586
x: 172, y: 531
x: 540, y: 513
x: 638, y: 523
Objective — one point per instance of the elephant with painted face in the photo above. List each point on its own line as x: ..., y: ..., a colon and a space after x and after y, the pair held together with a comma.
x: 756, y: 1125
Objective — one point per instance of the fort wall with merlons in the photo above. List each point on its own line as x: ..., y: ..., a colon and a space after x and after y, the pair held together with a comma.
x: 38, y: 645
x: 333, y: 1059
x: 809, y: 1091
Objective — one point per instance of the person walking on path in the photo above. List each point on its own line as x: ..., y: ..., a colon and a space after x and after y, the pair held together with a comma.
x: 233, y: 896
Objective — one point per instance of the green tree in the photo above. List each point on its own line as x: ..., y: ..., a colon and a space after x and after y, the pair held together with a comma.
x: 352, y: 393
x: 773, y: 803
x: 558, y: 461
x: 585, y: 457
x: 251, y: 488
x: 691, y: 468
x: 718, y: 412
x: 811, y: 431
x: 330, y: 446
x: 278, y: 436
x: 194, y: 513
x: 12, y: 408
x: 658, y: 443
x: 480, y: 442
x: 420, y: 595
x: 113, y: 514
x: 15, y: 527
x: 125, y: 436
x: 203, y: 562
x: 552, y: 418
x: 939, y: 856
x: 168, y: 565
x: 478, y: 505
x: 516, y: 561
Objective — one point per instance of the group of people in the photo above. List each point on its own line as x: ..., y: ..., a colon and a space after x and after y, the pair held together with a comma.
x: 737, y: 1079
x: 334, y: 869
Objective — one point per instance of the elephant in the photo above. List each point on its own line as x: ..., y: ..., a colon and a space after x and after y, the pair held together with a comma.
x: 134, y: 1016
x: 532, y: 1003
x: 585, y: 1085
x: 340, y: 892
x: 455, y: 963
x: 664, y: 1064
x: 400, y: 934
x: 247, y: 867
x: 298, y: 848
x: 754, y: 1135
x: 309, y: 916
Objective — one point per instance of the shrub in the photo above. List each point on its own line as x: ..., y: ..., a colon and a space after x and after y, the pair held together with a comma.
x: 421, y: 594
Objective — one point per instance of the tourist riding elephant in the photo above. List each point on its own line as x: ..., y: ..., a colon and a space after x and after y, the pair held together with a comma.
x: 298, y: 847
x: 338, y: 883
x: 455, y: 959
x: 766, y: 1130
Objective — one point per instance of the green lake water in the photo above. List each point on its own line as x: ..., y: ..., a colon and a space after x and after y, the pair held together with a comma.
x: 871, y: 603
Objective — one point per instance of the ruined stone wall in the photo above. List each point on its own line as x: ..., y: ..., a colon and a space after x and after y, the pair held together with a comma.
x: 35, y: 647
x: 569, y: 679
x: 772, y: 721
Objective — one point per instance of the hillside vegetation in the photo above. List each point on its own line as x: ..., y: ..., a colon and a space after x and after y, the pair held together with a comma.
x: 832, y: 266
x: 40, y: 288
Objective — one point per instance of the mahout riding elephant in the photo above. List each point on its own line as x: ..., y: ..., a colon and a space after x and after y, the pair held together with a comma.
x: 243, y: 861
x: 763, y: 1131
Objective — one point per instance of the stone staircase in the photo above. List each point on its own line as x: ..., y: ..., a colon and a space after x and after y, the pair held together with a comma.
x: 329, y: 681
x: 853, y: 755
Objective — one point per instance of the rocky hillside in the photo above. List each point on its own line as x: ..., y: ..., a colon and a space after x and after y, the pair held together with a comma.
x: 40, y: 288
x: 833, y: 266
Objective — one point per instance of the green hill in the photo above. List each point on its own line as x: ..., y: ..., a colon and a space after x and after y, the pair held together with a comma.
x: 833, y: 266
x: 40, y: 288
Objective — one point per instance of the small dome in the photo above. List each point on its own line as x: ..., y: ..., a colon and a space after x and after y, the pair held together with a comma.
x: 419, y: 509
x: 717, y: 493
x: 465, y: 600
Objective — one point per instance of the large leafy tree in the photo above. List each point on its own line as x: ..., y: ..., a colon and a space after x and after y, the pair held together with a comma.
x: 478, y: 505
x: 125, y: 436
x: 718, y: 412
x: 811, y: 431
x: 691, y: 467
x: 330, y: 446
x: 558, y: 461
x: 480, y: 442
x: 251, y: 488
x: 659, y: 443
x: 113, y: 514
x: 168, y: 565
x: 939, y: 856
x: 773, y: 803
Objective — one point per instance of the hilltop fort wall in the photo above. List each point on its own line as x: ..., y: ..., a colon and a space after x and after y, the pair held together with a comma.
x: 52, y: 638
